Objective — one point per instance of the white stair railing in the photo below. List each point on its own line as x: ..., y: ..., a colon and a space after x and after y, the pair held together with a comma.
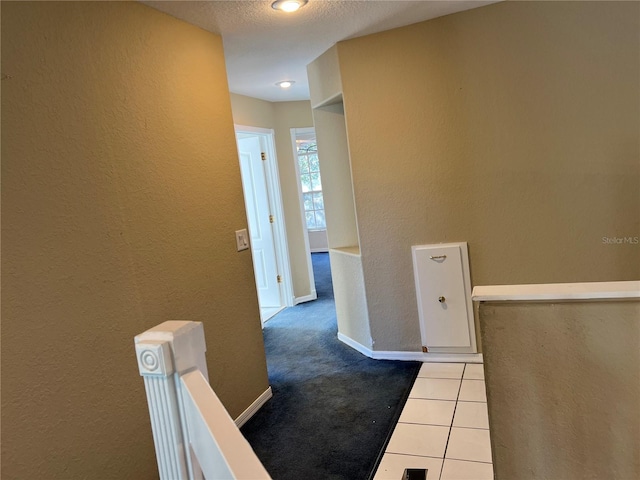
x: 194, y: 436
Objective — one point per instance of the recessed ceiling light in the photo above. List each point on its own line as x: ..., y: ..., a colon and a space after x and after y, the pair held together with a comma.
x: 288, y: 5
x: 285, y: 84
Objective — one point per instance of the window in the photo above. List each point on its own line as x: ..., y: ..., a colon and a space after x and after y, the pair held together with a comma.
x: 309, y: 168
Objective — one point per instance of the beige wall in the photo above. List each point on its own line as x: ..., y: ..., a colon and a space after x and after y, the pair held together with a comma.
x: 252, y: 112
x: 120, y: 195
x: 514, y: 127
x: 333, y: 149
x: 318, y: 241
x: 563, y: 387
x: 325, y: 84
x: 282, y: 117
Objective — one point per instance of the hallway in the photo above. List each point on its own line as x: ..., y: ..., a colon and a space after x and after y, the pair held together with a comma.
x: 332, y: 408
x: 335, y: 410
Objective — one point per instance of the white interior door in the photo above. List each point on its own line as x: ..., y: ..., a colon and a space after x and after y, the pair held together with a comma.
x: 256, y: 197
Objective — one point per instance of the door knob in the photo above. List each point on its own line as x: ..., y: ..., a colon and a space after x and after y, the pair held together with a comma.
x: 441, y: 299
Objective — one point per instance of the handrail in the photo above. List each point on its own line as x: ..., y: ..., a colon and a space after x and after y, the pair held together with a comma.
x: 194, y: 436
x: 221, y: 449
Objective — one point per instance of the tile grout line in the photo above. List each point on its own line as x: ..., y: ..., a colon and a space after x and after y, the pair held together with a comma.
x: 436, y: 425
x: 444, y: 455
x: 421, y: 456
x: 470, y: 461
x: 474, y: 428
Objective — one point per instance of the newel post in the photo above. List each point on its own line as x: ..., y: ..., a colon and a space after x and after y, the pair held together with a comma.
x: 164, y: 353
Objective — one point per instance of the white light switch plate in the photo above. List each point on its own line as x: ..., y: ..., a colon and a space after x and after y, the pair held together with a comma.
x: 242, y: 239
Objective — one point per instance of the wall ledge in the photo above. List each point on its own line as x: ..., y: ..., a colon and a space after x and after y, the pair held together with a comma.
x: 557, y: 292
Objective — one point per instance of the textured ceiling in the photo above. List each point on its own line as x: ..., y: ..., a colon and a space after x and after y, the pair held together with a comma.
x: 264, y: 46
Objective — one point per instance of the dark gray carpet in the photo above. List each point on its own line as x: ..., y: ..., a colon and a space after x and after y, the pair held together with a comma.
x: 332, y: 408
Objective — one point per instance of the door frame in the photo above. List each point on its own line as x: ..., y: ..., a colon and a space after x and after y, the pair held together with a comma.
x: 307, y: 246
x: 267, y: 140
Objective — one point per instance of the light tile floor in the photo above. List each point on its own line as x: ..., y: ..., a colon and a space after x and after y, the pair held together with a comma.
x: 443, y: 427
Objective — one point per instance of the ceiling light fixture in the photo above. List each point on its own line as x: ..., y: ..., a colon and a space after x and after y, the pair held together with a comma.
x: 285, y: 84
x: 288, y: 5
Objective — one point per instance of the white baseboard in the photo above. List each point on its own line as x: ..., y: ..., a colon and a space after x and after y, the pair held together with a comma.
x: 355, y: 345
x: 306, y: 298
x: 254, y: 407
x: 430, y: 357
x: 320, y: 250
x: 412, y: 356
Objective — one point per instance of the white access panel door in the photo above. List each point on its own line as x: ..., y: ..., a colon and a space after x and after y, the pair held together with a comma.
x: 443, y: 289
